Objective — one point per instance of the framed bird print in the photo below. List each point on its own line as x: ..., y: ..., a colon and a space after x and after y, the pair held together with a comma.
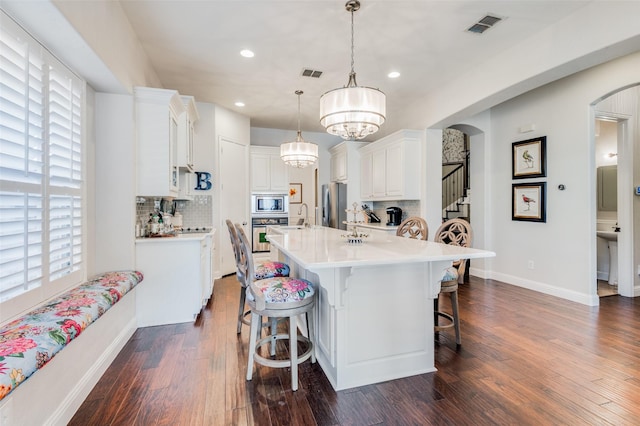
x: 529, y: 202
x: 529, y: 158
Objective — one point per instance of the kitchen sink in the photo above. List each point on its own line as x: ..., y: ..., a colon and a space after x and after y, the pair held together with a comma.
x: 608, y: 235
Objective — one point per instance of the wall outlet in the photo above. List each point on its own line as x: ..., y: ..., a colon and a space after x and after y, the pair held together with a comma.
x: 530, y: 264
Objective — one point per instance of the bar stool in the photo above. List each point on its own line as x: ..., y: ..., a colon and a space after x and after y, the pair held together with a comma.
x: 263, y: 269
x: 455, y: 232
x: 413, y: 227
x: 278, y: 297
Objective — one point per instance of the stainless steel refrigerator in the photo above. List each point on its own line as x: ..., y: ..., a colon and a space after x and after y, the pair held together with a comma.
x: 334, y: 203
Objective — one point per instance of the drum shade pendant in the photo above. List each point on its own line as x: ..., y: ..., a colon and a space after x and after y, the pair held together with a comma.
x: 352, y: 112
x: 299, y: 153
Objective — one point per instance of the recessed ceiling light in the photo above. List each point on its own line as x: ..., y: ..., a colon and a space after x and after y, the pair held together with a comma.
x: 247, y: 53
x: 239, y: 104
x: 393, y: 74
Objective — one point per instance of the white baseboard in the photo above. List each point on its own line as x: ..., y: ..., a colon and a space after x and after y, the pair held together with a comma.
x: 585, y: 299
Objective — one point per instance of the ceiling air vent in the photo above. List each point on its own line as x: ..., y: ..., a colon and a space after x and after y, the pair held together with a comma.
x: 311, y: 73
x: 484, y: 24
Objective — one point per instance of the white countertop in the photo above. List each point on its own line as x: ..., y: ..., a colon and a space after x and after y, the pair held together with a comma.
x: 320, y: 247
x: 177, y: 237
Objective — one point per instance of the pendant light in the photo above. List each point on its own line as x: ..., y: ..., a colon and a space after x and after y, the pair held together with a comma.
x: 299, y: 153
x: 352, y: 112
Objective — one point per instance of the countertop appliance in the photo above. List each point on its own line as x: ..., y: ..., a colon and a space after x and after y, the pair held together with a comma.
x: 259, y: 225
x: 269, y: 205
x: 334, y: 204
x: 395, y: 216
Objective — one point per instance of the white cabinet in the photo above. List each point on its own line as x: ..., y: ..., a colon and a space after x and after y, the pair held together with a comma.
x: 344, y: 161
x: 338, y: 163
x: 187, y: 185
x: 177, y: 277
x: 157, y: 112
x: 390, y: 167
x: 186, y: 125
x: 268, y: 172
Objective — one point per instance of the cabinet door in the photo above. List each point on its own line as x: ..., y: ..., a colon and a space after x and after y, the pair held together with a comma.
x: 260, y: 175
x: 378, y: 171
x: 279, y: 174
x: 366, y: 175
x: 395, y: 170
x: 338, y: 163
x: 173, y: 158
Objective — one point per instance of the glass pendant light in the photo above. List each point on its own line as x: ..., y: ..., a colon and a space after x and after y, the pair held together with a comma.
x: 299, y: 153
x: 352, y: 112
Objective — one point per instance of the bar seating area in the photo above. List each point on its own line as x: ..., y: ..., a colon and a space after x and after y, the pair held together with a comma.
x: 273, y: 297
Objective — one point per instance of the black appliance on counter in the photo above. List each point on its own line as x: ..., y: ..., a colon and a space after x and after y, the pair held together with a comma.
x: 395, y: 216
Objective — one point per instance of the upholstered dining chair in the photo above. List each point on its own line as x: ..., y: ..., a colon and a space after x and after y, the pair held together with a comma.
x: 262, y: 269
x: 456, y: 232
x: 413, y: 227
x: 277, y: 298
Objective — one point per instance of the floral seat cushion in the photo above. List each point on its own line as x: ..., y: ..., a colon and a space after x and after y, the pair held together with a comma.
x: 29, y: 342
x: 450, y: 274
x: 270, y: 269
x: 285, y: 289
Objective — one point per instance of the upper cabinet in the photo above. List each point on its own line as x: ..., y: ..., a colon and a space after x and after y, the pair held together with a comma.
x: 390, y: 167
x: 344, y: 161
x: 268, y: 172
x: 157, y: 113
x: 186, y: 124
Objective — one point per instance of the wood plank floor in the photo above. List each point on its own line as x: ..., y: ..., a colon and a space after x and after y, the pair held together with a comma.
x: 526, y: 359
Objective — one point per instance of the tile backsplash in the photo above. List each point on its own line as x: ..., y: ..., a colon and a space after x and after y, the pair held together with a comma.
x: 409, y: 208
x: 195, y: 213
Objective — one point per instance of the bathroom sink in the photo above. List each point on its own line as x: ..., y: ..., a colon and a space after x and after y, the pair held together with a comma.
x: 608, y: 235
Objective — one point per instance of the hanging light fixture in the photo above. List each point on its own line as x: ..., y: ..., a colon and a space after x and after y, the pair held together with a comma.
x: 352, y: 112
x: 299, y: 153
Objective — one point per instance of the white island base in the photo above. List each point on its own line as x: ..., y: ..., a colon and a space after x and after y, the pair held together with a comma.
x: 374, y: 323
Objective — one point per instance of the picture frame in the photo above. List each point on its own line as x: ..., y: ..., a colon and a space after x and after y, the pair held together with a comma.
x: 295, y: 193
x: 529, y: 158
x: 528, y: 202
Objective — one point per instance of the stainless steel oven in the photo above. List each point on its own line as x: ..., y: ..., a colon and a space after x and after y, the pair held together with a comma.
x: 259, y: 231
x: 271, y: 205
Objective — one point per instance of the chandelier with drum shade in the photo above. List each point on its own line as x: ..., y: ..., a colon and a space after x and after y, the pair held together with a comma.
x: 299, y: 153
x: 352, y: 112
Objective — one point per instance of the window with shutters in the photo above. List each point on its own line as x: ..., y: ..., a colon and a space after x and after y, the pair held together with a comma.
x: 41, y: 170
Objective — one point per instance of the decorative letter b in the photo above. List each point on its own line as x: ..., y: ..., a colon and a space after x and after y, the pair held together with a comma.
x: 203, y: 181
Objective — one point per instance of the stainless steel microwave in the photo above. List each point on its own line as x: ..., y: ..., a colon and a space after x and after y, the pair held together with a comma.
x: 269, y: 204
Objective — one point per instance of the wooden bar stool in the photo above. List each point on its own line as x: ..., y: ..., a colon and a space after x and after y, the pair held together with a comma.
x: 275, y: 298
x: 263, y: 269
x: 455, y: 232
x: 413, y: 227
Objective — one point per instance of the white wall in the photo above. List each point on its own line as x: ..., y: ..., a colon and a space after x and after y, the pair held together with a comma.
x: 562, y: 249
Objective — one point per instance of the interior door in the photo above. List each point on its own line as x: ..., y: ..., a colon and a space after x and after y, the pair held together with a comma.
x: 234, y: 197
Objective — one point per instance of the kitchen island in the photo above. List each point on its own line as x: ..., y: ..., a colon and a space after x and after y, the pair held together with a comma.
x: 375, y: 299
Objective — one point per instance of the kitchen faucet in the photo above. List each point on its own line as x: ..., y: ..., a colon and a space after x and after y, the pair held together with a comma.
x: 306, y: 214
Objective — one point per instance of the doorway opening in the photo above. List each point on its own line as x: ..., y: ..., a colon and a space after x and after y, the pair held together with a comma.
x: 455, y: 175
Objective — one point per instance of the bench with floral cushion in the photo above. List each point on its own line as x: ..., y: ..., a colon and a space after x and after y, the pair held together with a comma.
x: 29, y: 342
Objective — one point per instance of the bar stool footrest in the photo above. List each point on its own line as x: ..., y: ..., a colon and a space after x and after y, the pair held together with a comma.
x: 446, y: 316
x: 281, y: 363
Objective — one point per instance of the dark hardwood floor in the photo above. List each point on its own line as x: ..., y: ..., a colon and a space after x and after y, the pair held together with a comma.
x: 526, y: 359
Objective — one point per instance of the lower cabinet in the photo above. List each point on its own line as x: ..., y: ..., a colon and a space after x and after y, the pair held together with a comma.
x: 178, y: 280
